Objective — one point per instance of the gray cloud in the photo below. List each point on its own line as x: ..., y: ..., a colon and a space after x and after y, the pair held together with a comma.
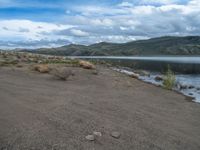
x: 23, y: 30
x: 5, y: 28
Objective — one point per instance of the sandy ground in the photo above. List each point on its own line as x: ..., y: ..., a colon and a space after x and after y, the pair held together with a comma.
x: 38, y: 112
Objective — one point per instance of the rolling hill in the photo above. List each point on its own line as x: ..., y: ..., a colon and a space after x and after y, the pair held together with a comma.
x: 189, y: 45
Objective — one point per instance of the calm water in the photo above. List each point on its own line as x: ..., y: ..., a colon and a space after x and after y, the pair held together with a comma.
x: 172, y: 59
x: 187, y: 69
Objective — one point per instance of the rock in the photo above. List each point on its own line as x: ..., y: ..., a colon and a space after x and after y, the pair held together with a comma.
x: 115, y: 134
x: 90, y: 137
x: 97, y: 133
x: 62, y: 73
x: 159, y: 78
x: 86, y: 65
x: 198, y: 88
x: 190, y: 87
x: 143, y: 73
x: 95, y: 72
x: 191, y: 94
x: 178, y: 85
x: 182, y: 86
x: 134, y: 75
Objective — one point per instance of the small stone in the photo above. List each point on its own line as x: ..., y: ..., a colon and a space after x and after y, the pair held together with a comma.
x: 135, y: 75
x: 191, y: 94
x: 143, y: 73
x: 159, y: 78
x: 115, y: 134
x: 97, y: 133
x: 95, y: 72
x: 183, y: 86
x: 90, y: 137
x: 191, y: 87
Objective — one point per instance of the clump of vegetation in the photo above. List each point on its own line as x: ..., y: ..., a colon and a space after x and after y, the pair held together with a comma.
x: 86, y: 65
x: 19, y: 65
x: 7, y: 62
x: 42, y: 68
x: 62, y: 73
x: 169, y: 79
x: 95, y: 72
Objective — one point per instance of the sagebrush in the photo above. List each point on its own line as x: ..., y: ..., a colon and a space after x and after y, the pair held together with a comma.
x: 169, y: 79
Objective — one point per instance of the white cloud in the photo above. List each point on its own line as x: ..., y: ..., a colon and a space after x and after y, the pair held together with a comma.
x: 102, y: 22
x: 98, y: 10
x: 26, y: 33
x: 125, y: 4
x: 78, y: 33
x: 26, y: 29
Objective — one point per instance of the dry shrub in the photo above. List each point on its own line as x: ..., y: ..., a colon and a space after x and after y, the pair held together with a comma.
x: 8, y: 62
x: 19, y: 65
x: 95, y: 72
x: 86, y: 65
x: 62, y: 73
x: 42, y: 68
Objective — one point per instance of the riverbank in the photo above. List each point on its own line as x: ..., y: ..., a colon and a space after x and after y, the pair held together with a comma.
x: 38, y: 111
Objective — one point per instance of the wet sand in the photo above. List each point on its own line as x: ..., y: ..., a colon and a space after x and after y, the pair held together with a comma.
x: 39, y: 112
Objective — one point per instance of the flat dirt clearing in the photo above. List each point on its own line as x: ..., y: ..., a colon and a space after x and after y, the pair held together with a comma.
x: 40, y: 112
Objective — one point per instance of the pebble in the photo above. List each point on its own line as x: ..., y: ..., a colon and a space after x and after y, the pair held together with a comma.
x: 191, y: 87
x: 97, y: 133
x: 191, y: 94
x: 90, y: 137
x: 159, y: 78
x: 115, y: 134
x: 136, y: 76
x: 95, y: 72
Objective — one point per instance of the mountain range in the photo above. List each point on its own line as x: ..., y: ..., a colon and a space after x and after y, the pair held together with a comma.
x: 168, y: 45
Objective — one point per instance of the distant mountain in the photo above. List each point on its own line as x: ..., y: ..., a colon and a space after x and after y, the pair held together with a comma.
x: 189, y: 45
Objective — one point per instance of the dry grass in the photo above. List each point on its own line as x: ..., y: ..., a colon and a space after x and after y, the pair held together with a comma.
x: 86, y: 65
x: 8, y: 62
x: 42, y: 68
x: 19, y: 65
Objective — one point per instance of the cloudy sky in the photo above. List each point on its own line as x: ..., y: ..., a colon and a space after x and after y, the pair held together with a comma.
x: 49, y: 23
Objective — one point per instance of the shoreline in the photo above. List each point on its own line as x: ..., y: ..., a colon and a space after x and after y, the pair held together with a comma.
x: 154, y: 82
x: 39, y: 111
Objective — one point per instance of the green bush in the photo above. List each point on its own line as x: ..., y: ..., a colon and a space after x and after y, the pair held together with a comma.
x: 169, y: 79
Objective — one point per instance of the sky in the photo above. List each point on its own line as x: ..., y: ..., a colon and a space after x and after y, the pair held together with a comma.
x: 52, y: 23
